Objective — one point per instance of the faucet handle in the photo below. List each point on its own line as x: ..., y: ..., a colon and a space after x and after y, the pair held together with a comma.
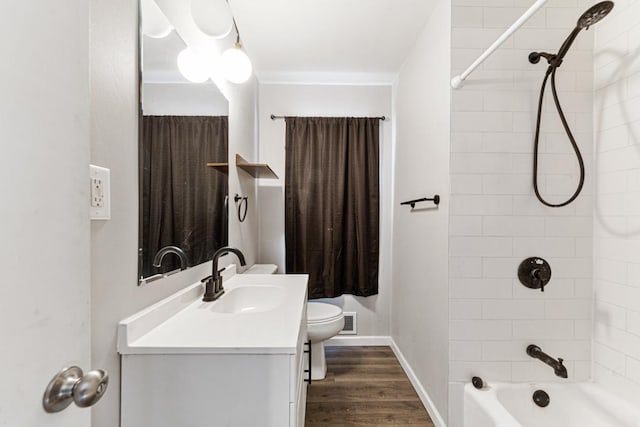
x: 206, y: 279
x: 560, y: 360
x: 534, y: 273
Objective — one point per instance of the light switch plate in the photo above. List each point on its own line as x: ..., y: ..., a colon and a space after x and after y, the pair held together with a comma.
x: 100, y: 202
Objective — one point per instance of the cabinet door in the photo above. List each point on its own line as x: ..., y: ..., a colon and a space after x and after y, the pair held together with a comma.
x: 301, y: 403
x: 226, y: 390
x: 300, y: 373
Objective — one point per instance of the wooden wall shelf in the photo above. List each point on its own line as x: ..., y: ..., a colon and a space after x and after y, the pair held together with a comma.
x: 256, y: 170
x: 220, y: 167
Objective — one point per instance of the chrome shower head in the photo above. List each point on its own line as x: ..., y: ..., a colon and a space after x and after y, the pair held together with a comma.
x: 594, y: 14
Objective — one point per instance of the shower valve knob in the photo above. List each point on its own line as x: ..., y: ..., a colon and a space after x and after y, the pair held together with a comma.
x: 534, y: 273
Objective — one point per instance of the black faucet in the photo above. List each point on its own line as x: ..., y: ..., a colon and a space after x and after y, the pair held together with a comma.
x: 184, y: 261
x: 537, y: 353
x: 213, y: 287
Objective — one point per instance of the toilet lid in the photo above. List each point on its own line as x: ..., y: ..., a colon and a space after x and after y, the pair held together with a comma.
x: 322, y: 312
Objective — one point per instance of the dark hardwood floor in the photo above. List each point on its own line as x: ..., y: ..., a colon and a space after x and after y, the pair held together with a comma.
x: 365, y: 386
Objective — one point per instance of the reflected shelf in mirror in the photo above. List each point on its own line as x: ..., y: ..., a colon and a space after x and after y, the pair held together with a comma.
x: 220, y: 167
x: 256, y: 170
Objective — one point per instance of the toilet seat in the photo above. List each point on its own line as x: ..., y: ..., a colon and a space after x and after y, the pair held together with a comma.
x: 321, y: 312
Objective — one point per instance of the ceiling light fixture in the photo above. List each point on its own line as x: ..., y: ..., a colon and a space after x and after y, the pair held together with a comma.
x: 154, y: 23
x: 236, y: 65
x: 212, y: 17
x: 192, y: 66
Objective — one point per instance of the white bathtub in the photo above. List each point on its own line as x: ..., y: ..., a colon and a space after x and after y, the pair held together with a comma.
x: 571, y: 405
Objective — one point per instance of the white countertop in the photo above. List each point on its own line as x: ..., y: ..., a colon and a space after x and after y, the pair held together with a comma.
x: 183, y: 324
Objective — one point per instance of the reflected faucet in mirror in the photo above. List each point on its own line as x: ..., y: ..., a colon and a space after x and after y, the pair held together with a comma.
x: 184, y: 261
x: 213, y: 284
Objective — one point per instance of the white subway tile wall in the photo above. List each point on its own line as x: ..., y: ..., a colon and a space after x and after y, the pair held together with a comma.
x: 616, y: 349
x: 495, y: 219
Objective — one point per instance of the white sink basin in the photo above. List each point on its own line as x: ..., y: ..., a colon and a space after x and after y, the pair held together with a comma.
x: 249, y: 299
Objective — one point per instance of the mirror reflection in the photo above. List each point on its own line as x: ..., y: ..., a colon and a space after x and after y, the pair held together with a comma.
x: 183, y: 126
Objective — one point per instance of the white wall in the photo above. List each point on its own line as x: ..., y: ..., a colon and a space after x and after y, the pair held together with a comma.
x: 44, y: 223
x: 336, y: 101
x: 420, y: 288
x: 183, y: 99
x: 114, y: 144
x: 616, y: 347
x: 496, y: 221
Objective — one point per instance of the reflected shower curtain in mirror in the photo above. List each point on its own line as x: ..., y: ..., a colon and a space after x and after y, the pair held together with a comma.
x: 332, y: 203
x: 183, y: 200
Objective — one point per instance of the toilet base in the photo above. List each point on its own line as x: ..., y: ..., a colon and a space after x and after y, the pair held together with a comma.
x: 318, y: 361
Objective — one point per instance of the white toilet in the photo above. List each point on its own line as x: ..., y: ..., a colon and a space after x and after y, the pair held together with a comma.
x: 324, y: 321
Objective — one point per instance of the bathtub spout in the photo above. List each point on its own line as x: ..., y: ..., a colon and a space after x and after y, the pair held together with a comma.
x: 537, y: 353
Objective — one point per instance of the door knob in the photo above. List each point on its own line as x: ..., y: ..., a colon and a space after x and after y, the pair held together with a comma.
x: 71, y: 385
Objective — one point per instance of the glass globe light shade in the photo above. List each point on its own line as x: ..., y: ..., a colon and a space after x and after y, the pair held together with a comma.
x: 192, y: 67
x: 154, y: 23
x: 236, y: 65
x: 212, y: 17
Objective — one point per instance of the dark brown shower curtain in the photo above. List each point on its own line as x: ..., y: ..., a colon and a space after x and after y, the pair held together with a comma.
x: 332, y: 203
x: 183, y: 200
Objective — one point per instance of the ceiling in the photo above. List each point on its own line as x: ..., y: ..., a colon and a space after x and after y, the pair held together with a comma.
x: 329, y: 40
x: 301, y: 41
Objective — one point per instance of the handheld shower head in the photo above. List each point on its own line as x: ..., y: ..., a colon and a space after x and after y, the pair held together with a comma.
x: 594, y: 14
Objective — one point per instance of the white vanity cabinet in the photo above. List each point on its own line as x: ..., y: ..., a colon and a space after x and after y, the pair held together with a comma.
x: 245, y: 369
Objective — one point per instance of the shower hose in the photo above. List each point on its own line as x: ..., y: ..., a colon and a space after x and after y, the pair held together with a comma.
x: 551, y: 72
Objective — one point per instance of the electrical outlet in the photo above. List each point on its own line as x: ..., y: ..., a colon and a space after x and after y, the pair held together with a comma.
x: 97, y: 193
x: 100, y: 204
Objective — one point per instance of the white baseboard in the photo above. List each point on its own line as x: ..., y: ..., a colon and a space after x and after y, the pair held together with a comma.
x: 422, y: 393
x: 357, y: 340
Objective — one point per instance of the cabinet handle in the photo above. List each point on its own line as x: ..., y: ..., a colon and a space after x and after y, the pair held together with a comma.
x: 308, y: 351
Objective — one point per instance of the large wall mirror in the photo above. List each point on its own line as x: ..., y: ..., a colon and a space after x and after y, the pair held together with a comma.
x: 183, y: 126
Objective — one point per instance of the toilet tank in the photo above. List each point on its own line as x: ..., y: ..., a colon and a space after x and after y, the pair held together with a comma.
x: 262, y: 269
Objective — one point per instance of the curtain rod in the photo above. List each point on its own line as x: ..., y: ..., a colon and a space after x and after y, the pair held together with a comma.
x: 273, y: 117
x: 458, y: 81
